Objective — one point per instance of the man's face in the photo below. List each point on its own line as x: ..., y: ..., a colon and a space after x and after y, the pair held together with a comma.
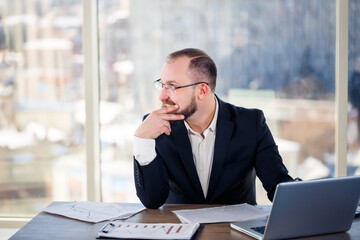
x: 174, y: 73
x: 187, y: 111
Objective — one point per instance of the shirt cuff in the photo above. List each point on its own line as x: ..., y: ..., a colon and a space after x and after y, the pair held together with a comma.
x: 144, y: 150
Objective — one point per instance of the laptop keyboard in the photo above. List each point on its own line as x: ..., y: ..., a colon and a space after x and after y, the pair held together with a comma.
x: 259, y: 229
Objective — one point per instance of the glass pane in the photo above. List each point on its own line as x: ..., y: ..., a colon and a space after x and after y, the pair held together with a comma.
x: 42, y: 152
x: 119, y: 109
x: 275, y: 55
x: 354, y: 89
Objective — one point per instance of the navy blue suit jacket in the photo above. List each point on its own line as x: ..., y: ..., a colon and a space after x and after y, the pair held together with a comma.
x: 243, y: 146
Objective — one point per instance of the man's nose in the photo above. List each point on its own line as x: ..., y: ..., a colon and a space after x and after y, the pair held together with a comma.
x: 164, y: 94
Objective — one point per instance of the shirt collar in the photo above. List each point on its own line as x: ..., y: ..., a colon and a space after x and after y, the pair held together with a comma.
x: 212, y: 126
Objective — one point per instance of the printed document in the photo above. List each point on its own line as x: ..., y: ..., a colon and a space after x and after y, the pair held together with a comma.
x: 231, y: 213
x: 94, y: 211
x: 126, y: 230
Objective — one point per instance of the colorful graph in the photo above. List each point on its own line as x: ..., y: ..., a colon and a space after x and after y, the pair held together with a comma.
x: 149, y: 231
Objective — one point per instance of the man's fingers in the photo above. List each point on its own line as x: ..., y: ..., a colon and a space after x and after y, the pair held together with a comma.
x: 168, y: 109
x: 167, y: 131
x: 158, y: 122
x: 165, y: 128
x: 173, y: 117
x: 165, y: 113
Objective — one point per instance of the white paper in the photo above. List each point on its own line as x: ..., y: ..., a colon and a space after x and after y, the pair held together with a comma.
x: 231, y: 213
x: 266, y: 208
x: 148, y: 230
x: 94, y: 211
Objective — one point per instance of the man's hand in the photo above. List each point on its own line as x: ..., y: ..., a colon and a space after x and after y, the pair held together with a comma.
x: 158, y: 123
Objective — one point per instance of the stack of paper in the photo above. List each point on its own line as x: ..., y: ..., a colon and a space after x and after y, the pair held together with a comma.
x: 231, y: 213
x: 126, y: 230
x: 94, y: 211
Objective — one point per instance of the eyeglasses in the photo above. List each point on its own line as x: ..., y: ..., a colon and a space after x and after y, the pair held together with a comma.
x: 171, y: 88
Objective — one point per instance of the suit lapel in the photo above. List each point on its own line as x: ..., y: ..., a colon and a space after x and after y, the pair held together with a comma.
x: 224, y: 129
x: 181, y: 139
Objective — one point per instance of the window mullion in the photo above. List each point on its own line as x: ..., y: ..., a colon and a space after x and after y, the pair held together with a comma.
x: 91, y: 78
x: 341, y: 94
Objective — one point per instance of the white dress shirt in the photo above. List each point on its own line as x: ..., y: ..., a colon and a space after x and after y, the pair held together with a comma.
x: 202, y: 149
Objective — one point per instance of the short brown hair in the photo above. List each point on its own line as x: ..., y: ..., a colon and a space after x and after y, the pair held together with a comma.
x: 202, y: 68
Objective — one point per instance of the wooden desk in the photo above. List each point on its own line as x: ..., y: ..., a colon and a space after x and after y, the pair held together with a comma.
x: 52, y: 227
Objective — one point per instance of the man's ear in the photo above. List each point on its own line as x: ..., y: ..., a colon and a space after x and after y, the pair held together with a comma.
x: 204, y: 91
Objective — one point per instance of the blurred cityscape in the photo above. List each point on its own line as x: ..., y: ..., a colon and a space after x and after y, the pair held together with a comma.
x: 277, y: 55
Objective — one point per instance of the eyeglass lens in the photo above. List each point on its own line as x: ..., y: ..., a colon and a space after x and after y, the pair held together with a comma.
x: 159, y: 85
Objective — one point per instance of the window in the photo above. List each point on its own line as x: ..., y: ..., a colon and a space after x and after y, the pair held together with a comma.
x: 354, y: 89
x: 278, y: 56
x: 42, y: 142
x: 275, y: 55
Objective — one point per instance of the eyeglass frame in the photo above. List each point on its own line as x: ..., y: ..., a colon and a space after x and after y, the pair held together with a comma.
x: 172, y: 88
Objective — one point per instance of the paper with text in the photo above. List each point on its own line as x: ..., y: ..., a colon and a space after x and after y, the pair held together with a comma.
x: 128, y: 230
x: 231, y: 213
x: 94, y: 211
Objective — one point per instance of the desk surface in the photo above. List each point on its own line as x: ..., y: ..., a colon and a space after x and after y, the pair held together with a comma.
x: 48, y: 226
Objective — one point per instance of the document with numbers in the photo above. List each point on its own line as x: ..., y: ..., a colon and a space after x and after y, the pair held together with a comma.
x: 126, y: 230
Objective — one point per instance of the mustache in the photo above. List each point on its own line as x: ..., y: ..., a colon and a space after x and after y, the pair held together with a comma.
x: 166, y: 103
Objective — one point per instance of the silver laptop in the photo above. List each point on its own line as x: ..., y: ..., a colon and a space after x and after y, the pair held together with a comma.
x: 307, y: 208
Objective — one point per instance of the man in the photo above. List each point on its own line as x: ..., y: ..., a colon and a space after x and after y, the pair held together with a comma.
x: 198, y: 149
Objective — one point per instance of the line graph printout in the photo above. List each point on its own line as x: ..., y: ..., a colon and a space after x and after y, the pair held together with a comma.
x: 231, y: 213
x: 93, y: 211
x: 126, y: 230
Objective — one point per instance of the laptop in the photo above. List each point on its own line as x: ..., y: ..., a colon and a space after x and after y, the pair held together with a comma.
x: 307, y: 208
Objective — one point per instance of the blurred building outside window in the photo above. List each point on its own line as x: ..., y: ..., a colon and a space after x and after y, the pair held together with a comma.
x: 278, y: 56
x: 42, y: 144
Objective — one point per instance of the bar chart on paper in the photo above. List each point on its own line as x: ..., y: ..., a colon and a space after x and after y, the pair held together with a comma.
x: 148, y: 230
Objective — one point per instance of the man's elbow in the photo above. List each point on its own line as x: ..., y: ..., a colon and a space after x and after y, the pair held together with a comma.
x: 152, y: 204
x: 152, y: 201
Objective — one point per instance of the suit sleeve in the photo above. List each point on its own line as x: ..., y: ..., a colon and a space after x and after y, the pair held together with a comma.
x: 268, y: 163
x: 151, y: 183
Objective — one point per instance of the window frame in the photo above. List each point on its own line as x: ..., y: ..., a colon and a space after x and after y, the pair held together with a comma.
x: 341, y: 87
x: 92, y: 99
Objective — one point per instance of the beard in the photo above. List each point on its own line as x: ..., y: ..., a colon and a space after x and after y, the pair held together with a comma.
x: 187, y: 112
